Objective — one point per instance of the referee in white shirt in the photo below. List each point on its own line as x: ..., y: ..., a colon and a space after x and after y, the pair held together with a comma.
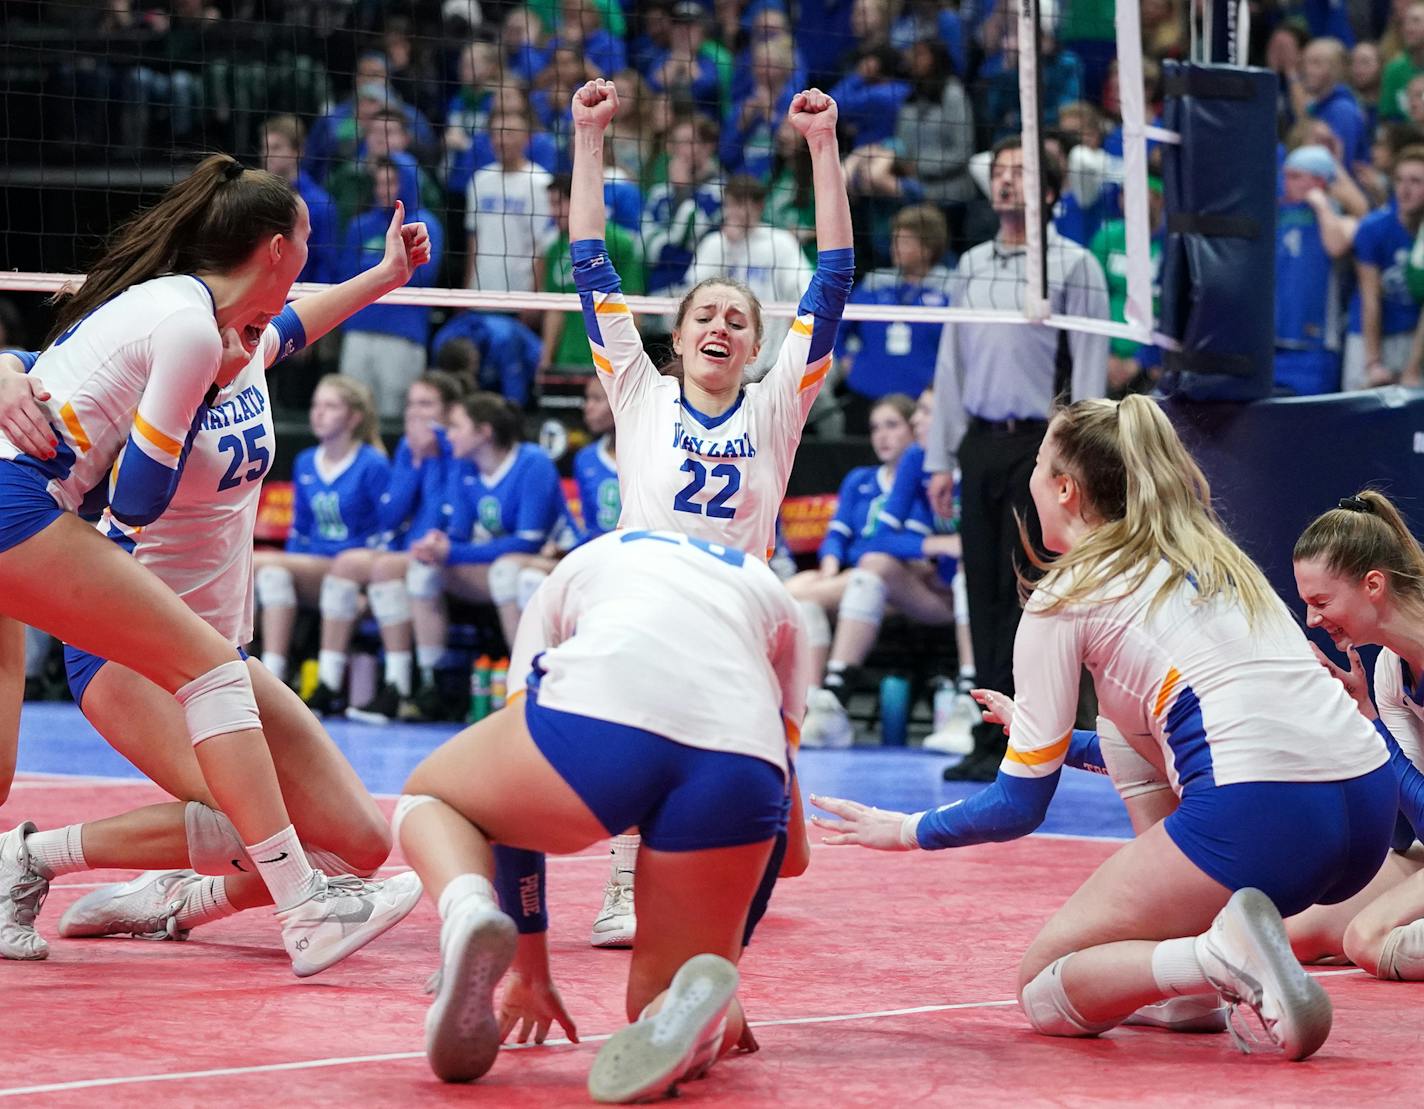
x: 994, y: 390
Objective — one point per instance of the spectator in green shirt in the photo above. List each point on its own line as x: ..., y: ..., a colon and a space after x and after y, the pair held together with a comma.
x: 1397, y: 73
x: 564, y: 340
x: 1132, y: 367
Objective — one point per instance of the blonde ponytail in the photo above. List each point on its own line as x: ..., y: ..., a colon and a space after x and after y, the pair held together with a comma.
x: 1155, y: 505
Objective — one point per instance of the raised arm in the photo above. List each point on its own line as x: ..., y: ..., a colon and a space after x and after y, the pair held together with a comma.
x: 594, y: 106
x: 814, y: 115
x: 407, y: 248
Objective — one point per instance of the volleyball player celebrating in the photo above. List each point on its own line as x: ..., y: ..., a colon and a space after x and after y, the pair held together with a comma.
x: 1285, y: 796
x: 202, y: 547
x: 612, y: 735
x: 131, y: 369
x: 706, y: 454
x: 1361, y: 575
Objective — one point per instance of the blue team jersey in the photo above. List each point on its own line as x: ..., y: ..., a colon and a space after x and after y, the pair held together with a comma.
x: 1382, y: 241
x: 857, y: 514
x: 894, y: 357
x: 335, y: 511
x: 599, y: 501
x: 1307, y: 293
x: 413, y: 504
x: 513, y: 510
x: 906, y: 516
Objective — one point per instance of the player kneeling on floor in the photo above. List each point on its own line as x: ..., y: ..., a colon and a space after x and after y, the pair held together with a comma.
x: 605, y: 731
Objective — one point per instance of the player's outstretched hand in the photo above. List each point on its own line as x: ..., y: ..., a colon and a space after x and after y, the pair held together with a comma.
x: 533, y: 1005
x: 812, y: 113
x: 595, y: 104
x: 879, y: 829
x: 1353, y: 679
x: 23, y: 417
x: 998, y: 707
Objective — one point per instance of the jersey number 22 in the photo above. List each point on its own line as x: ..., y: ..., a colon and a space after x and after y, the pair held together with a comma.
x: 717, y: 507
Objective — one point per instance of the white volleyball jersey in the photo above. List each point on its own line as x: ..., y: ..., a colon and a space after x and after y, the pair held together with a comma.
x: 1398, y: 709
x: 690, y: 640
x: 201, y: 547
x: 125, y: 383
x: 720, y: 478
x: 1191, y: 685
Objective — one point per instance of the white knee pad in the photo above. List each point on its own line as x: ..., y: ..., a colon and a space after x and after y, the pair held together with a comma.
x: 816, y: 623
x: 504, y: 580
x: 1050, y: 1012
x: 404, y: 807
x: 1402, y: 956
x: 214, y: 847
x: 220, y: 701
x: 329, y: 862
x: 340, y: 598
x: 390, y: 604
x: 1132, y: 774
x: 864, y: 598
x: 530, y: 579
x: 425, y: 582
x: 275, y: 587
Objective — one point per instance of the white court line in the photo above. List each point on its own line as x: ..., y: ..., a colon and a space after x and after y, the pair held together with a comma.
x: 401, y: 1056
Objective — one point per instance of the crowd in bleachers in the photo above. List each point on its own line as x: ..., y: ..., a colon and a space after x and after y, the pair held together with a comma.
x: 461, y: 112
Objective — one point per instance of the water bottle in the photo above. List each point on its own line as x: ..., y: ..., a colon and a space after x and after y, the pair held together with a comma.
x: 479, y: 690
x: 499, y: 684
x: 894, y: 710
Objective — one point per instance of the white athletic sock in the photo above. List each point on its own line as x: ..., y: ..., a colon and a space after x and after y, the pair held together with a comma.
x: 275, y: 663
x: 624, y: 850
x: 835, y: 674
x: 331, y: 669
x: 428, y: 658
x: 464, y: 886
x: 58, y: 851
x: 206, y: 903
x: 1176, y: 968
x: 398, y: 669
x: 283, y: 866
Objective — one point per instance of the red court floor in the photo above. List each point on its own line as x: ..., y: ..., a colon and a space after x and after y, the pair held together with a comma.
x: 874, y: 980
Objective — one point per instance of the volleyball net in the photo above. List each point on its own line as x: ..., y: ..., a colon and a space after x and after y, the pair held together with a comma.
x: 461, y: 109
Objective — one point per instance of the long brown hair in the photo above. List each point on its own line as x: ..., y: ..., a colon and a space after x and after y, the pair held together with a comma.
x: 1155, y: 505
x: 212, y: 220
x: 1367, y: 532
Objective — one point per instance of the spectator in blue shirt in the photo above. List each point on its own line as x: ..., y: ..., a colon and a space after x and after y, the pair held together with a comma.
x: 679, y: 211
x: 1322, y: 80
x: 870, y: 96
x: 384, y: 345
x: 881, y: 357
x: 749, y: 132
x: 997, y: 105
x: 508, y: 351
x: 581, y: 26
x: 684, y: 68
x: 478, y: 151
x: 282, y: 155
x: 1383, y: 314
x: 1311, y: 239
x: 336, y: 136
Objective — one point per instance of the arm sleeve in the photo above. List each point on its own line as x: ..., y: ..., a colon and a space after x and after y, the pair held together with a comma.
x: 185, y: 350
x: 27, y: 358
x: 1085, y: 752
x: 624, y: 368
x: 519, y: 880
x: 909, y: 475
x: 1087, y: 295
x: 801, y: 366
x: 841, y: 529
x: 291, y: 335
x: 948, y: 425
x: 1010, y: 808
x: 535, y: 514
x: 1411, y: 781
x: 402, y: 488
